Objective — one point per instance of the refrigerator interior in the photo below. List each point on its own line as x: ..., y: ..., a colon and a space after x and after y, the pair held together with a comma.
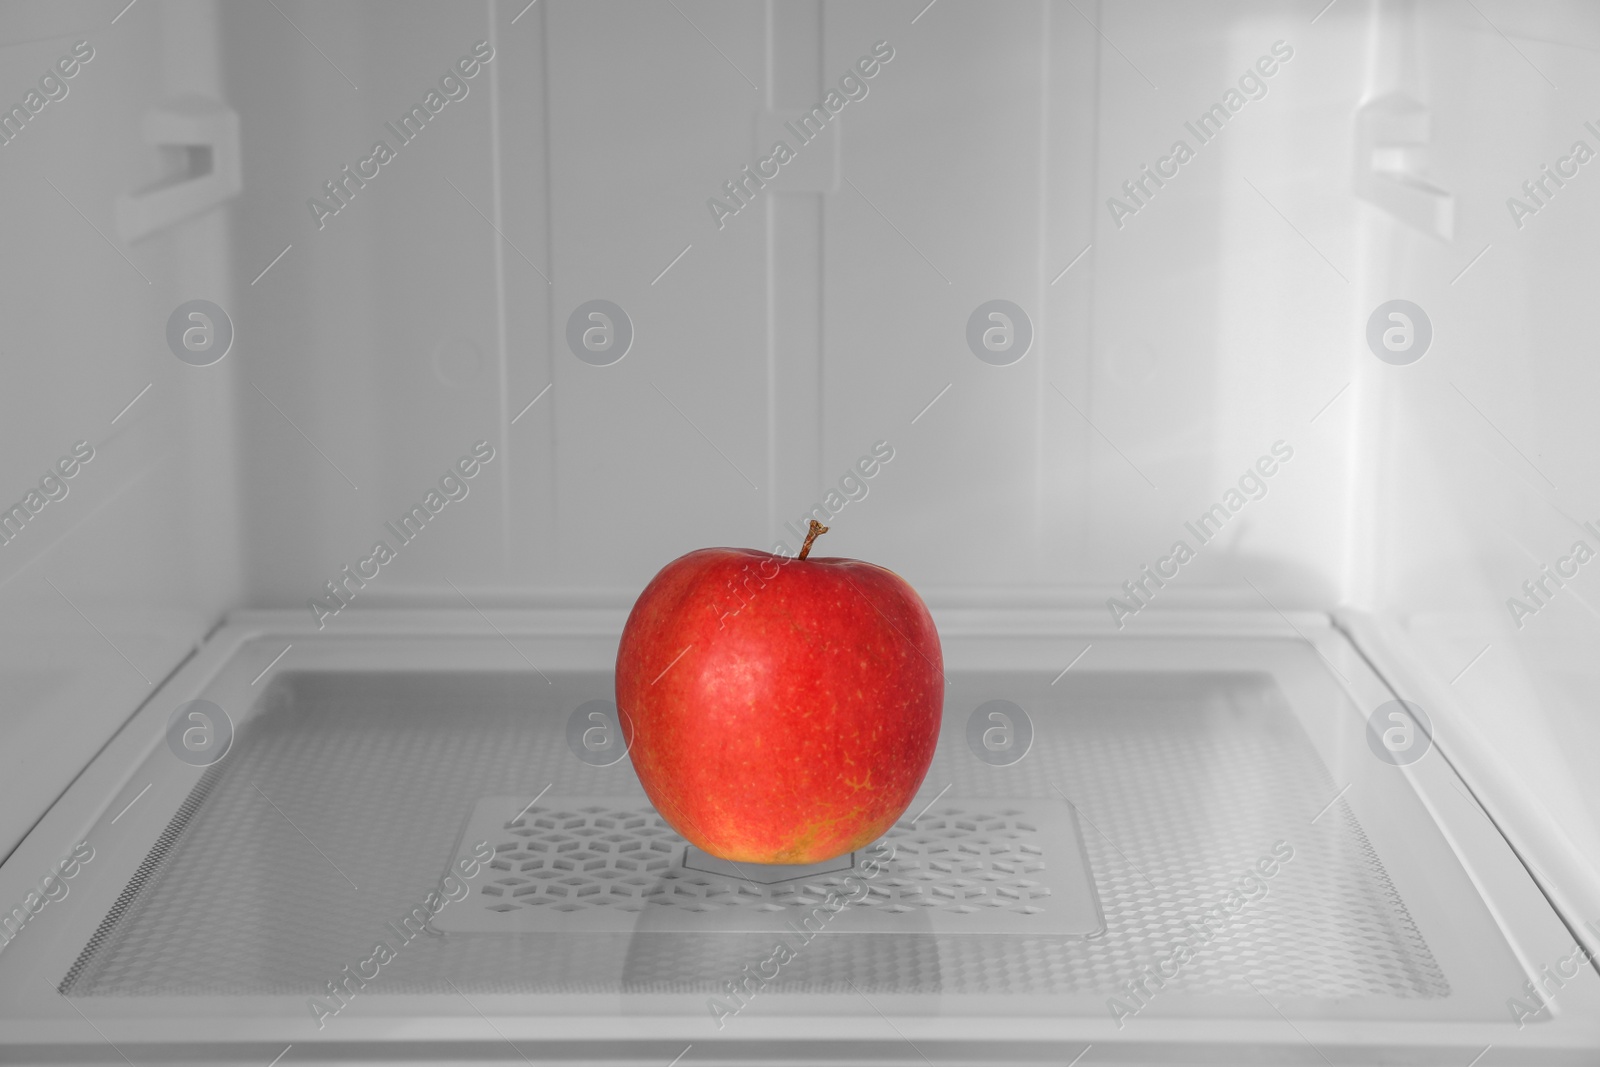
x: 1192, y: 351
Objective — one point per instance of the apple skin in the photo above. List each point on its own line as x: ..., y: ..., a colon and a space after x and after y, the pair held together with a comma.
x: 789, y: 722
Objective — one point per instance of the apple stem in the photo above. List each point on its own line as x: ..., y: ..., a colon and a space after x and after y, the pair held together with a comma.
x: 816, y: 529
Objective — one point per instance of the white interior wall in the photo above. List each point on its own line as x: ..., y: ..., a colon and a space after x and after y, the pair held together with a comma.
x: 106, y: 590
x: 782, y: 346
x: 1223, y: 304
x: 1483, y: 470
x: 416, y: 322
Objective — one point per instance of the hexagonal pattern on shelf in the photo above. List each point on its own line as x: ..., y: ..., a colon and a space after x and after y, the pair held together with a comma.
x: 983, y: 866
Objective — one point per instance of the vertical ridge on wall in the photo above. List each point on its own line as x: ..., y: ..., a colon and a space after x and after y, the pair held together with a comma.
x: 553, y: 440
x: 770, y: 222
x: 504, y: 370
x: 797, y: 424
x: 1042, y: 332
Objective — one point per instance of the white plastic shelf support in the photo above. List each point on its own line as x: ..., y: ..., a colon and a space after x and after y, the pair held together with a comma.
x: 208, y: 134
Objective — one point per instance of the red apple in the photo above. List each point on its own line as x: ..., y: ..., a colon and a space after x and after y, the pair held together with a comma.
x: 779, y: 709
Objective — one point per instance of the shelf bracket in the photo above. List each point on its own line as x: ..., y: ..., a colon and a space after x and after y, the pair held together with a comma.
x: 201, y: 137
x: 1392, y: 133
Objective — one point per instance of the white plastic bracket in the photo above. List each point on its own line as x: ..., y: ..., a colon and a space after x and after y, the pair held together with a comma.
x: 206, y: 133
x: 1392, y: 133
